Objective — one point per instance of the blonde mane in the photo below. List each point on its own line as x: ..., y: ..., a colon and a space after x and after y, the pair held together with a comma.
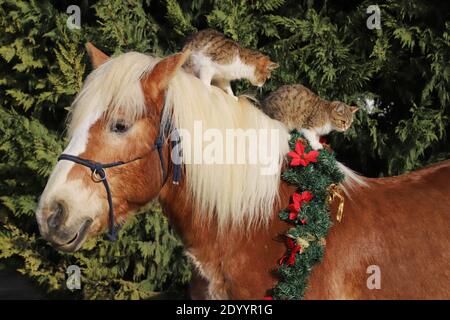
x: 237, y: 195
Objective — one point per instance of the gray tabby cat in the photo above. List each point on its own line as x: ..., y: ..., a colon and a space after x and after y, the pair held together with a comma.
x: 299, y: 108
x: 216, y: 58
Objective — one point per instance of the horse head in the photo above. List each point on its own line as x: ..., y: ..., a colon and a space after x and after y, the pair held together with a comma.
x: 115, y: 120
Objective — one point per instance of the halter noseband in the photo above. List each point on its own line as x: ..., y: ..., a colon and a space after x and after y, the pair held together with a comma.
x: 98, y: 174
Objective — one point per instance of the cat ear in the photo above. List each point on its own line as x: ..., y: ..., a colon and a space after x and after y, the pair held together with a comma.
x: 339, y: 108
x: 354, y: 109
x: 164, y: 71
x: 97, y: 56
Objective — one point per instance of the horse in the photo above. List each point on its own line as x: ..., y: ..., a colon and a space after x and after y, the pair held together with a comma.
x: 226, y: 214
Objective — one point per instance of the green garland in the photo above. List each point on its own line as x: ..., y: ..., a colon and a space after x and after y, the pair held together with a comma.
x: 310, y: 223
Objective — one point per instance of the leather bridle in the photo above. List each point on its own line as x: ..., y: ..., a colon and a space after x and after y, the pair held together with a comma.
x: 98, y: 173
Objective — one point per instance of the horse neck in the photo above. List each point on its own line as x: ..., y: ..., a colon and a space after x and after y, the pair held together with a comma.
x: 221, y: 258
x: 197, y: 231
x: 187, y: 222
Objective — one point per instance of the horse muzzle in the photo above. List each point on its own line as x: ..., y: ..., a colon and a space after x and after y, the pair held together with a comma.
x: 63, y: 236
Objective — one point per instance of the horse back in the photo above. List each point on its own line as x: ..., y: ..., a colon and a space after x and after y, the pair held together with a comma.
x: 393, y: 242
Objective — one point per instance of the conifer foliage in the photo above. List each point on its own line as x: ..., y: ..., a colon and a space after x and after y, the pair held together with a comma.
x: 398, y: 75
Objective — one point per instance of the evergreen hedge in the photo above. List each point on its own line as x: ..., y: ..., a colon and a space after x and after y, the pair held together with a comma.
x: 403, y: 67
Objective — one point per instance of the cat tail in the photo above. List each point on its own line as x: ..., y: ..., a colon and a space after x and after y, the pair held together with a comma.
x: 188, y: 45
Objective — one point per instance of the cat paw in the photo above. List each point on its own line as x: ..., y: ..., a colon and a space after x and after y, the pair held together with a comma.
x: 316, y: 145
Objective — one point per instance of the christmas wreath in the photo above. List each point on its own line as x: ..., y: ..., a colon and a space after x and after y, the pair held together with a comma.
x: 317, y: 177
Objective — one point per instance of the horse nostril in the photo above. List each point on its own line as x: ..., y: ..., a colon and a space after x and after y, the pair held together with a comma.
x: 55, y: 219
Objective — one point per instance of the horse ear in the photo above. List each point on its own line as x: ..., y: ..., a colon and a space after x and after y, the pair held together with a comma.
x: 96, y: 55
x: 164, y: 71
x: 273, y: 65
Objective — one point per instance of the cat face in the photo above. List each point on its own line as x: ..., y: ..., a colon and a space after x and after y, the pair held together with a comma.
x: 263, y: 69
x: 342, y: 115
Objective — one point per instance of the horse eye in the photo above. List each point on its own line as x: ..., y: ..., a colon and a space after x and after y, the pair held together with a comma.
x: 119, y: 127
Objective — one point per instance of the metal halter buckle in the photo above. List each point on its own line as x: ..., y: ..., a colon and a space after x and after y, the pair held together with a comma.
x: 97, y: 177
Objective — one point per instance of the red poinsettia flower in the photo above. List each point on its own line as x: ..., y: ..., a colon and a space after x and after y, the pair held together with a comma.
x: 294, y: 249
x: 299, y: 157
x: 297, y: 200
x: 305, y: 196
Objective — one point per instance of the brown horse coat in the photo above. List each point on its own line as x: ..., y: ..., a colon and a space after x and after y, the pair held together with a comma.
x: 400, y: 224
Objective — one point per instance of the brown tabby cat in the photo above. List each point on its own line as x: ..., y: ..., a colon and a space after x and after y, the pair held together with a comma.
x: 299, y: 108
x: 217, y: 58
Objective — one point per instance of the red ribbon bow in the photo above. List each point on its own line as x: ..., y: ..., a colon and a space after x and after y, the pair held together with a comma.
x: 294, y: 249
x: 323, y: 140
x: 297, y: 200
x: 299, y: 157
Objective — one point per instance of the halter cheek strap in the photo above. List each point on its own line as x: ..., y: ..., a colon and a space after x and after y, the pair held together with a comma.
x: 98, y: 174
x: 159, y: 145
